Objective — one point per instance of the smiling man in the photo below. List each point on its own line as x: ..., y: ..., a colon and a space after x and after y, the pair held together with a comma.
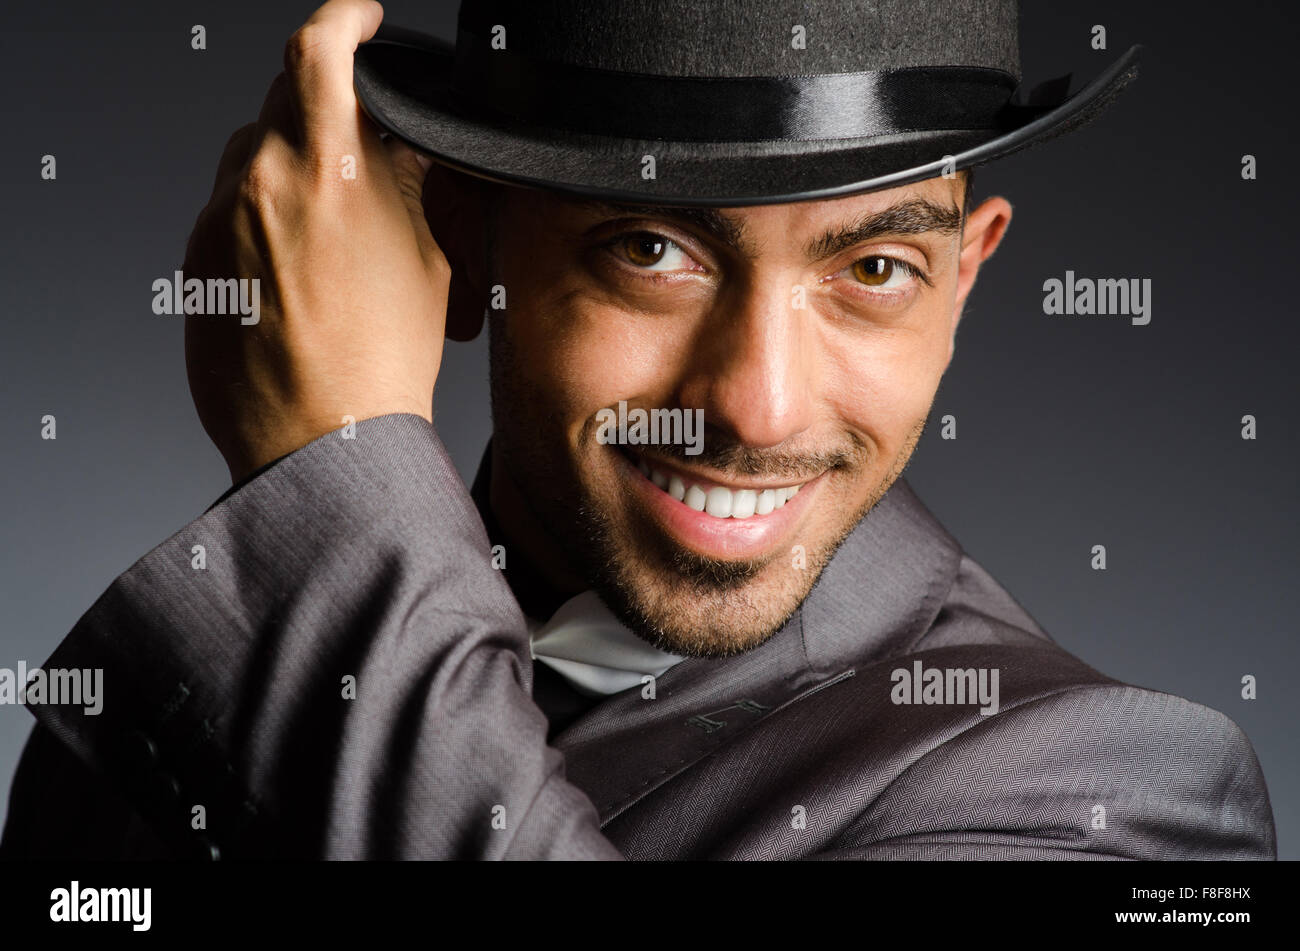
x: 811, y: 335
x: 755, y: 645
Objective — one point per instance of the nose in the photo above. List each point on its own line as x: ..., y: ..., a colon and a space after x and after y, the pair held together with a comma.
x: 751, y: 369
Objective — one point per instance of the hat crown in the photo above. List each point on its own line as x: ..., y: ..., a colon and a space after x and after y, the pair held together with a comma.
x: 739, y: 38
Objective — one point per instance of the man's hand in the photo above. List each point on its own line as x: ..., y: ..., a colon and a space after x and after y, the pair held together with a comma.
x: 353, y: 286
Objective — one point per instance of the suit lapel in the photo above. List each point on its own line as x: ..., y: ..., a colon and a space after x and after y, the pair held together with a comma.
x: 629, y: 745
x: 878, y: 596
x: 884, y: 588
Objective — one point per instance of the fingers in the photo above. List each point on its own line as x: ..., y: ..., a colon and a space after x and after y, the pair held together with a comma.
x: 318, y: 62
x: 411, y: 169
x: 235, y: 156
x: 278, y: 109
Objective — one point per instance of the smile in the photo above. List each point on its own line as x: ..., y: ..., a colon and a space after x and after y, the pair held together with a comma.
x: 717, y: 500
x: 743, y: 518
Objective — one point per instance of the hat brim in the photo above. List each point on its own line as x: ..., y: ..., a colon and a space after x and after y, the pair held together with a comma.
x: 403, y: 82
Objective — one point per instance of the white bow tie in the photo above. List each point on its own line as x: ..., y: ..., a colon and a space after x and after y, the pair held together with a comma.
x: 591, y: 649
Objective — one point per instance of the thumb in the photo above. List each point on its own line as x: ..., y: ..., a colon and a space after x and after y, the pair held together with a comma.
x: 411, y: 168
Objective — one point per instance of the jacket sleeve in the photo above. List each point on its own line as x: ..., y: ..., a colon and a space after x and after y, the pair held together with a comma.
x: 1092, y: 772
x: 326, y: 664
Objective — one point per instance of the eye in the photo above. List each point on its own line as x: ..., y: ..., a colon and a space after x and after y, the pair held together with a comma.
x: 648, y: 250
x: 883, y: 272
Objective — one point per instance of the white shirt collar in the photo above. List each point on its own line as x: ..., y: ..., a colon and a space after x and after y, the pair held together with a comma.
x: 593, y: 651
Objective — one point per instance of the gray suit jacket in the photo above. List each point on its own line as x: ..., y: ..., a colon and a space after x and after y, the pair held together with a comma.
x: 226, y: 688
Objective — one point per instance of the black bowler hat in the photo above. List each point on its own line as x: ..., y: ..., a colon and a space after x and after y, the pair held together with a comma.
x: 736, y: 102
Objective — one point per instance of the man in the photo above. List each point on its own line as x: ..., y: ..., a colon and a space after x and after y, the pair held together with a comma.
x: 692, y: 610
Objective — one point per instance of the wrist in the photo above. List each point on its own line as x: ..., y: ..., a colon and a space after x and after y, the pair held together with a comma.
x: 272, y: 441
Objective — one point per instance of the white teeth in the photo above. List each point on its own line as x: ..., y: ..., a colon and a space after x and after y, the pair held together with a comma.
x: 718, y: 501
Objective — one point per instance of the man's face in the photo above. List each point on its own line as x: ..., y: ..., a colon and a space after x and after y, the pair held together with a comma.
x: 813, y: 337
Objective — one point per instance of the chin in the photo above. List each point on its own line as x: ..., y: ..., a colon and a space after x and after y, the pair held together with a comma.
x: 697, y: 607
x: 685, y: 601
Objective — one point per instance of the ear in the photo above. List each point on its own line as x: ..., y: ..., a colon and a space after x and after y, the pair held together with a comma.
x: 455, y: 205
x: 984, y: 229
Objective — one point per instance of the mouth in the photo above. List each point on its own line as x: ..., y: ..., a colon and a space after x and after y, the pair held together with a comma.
x: 713, y: 498
x: 718, y: 517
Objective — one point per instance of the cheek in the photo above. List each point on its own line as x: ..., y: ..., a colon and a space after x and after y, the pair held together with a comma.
x: 881, y: 386
x: 586, y: 354
x: 611, y: 356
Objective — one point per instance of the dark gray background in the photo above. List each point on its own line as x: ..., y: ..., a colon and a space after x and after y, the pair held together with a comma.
x: 1072, y: 431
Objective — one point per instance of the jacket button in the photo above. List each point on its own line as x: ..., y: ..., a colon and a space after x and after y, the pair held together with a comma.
x: 141, y: 751
x: 168, y: 785
x: 149, y: 778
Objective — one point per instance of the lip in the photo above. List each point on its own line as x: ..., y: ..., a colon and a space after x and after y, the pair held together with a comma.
x: 720, y: 538
x: 690, y: 476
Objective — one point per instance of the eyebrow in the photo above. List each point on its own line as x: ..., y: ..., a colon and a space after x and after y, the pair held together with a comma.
x: 911, y: 216
x: 709, y: 220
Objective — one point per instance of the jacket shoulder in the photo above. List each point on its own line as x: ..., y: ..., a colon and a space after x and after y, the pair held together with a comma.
x: 1084, y: 767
